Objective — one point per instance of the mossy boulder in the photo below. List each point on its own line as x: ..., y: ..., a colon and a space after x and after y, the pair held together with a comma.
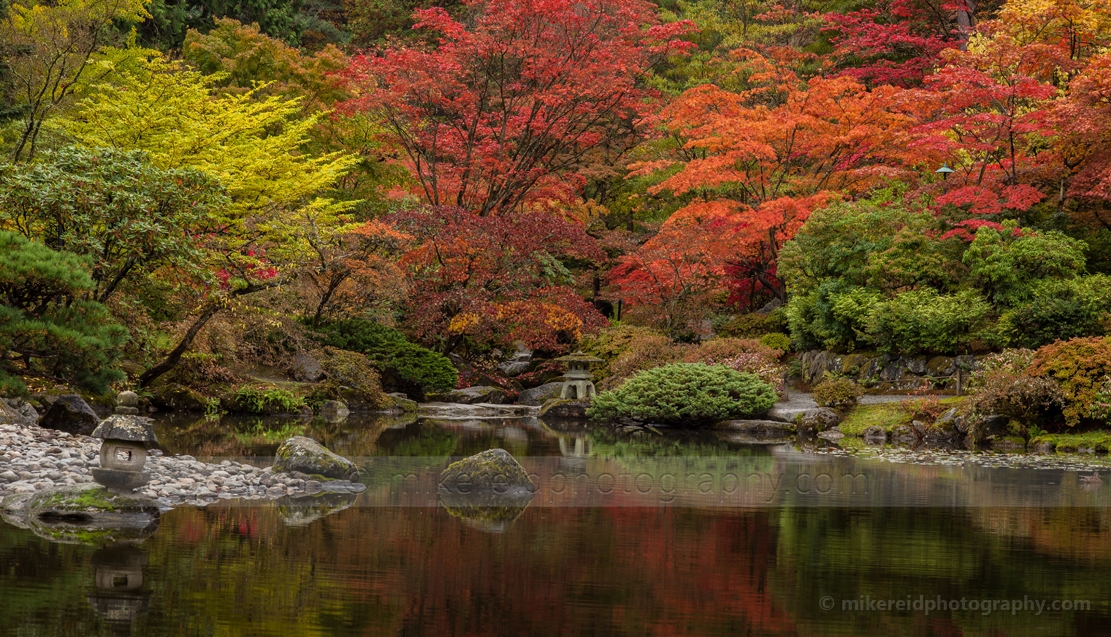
x: 492, y: 472
x: 82, y: 514
x: 815, y: 421
x: 539, y: 395
x: 306, y: 455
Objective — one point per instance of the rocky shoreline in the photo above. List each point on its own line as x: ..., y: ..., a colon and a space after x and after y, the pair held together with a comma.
x: 33, y: 458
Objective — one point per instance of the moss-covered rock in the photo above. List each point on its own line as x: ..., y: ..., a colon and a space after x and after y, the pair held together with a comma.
x: 82, y: 514
x: 492, y: 472
x: 306, y: 509
x: 306, y: 455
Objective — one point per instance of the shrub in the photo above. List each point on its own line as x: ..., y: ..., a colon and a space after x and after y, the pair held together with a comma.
x: 613, y: 342
x: 685, y: 392
x: 753, y: 325
x: 1021, y: 397
x: 1080, y: 368
x: 47, y: 328
x: 353, y: 370
x: 923, y: 321
x: 405, y: 366
x: 742, y: 355
x: 643, y: 353
x: 777, y: 341
x: 268, y: 401
x: 838, y: 393
x: 1058, y: 309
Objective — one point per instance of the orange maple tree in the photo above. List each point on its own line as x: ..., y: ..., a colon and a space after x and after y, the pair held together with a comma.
x: 755, y: 164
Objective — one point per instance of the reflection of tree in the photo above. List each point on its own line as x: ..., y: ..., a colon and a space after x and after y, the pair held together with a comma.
x: 620, y: 571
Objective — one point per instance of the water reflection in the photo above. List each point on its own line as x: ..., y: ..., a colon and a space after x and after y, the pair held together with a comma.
x: 118, y: 597
x: 635, y: 567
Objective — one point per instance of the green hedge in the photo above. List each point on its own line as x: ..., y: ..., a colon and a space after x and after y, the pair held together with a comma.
x: 405, y: 366
x: 691, y: 393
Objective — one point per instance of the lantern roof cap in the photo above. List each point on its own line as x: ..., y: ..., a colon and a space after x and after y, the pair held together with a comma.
x: 125, y: 427
x: 578, y: 356
x: 945, y: 169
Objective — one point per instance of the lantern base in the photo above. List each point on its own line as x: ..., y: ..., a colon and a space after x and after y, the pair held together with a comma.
x: 121, y: 480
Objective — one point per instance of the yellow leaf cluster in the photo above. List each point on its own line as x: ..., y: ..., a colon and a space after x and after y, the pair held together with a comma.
x: 250, y: 143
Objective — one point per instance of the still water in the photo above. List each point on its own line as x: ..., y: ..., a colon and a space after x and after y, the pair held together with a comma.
x: 745, y: 539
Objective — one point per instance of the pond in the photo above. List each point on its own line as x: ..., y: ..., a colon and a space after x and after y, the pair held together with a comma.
x: 653, y: 534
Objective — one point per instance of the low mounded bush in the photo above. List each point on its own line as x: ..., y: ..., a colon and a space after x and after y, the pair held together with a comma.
x: 691, y: 393
x: 352, y: 370
x: 405, y: 366
x: 839, y: 393
x: 1080, y: 368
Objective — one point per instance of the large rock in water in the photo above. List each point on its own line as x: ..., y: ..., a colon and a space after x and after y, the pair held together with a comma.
x: 70, y: 414
x: 486, y: 491
x: 475, y: 395
x: 493, y: 472
x: 539, y: 395
x: 306, y: 455
x: 83, y: 513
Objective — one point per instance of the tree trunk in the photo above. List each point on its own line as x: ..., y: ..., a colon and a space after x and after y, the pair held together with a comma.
x: 966, y: 19
x: 171, y: 361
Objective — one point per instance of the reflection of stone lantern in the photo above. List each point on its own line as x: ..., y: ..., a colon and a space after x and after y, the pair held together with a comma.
x: 118, y: 598
x: 577, y: 383
x: 123, y: 454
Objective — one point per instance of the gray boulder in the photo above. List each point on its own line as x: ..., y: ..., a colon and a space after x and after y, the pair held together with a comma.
x: 944, y: 430
x: 475, y: 395
x: 308, y: 456
x: 306, y: 509
x: 305, y: 367
x: 334, y: 411
x: 70, y: 414
x: 988, y: 428
x: 875, y: 434
x: 538, y: 395
x: 492, y: 472
x: 15, y: 411
x: 814, y: 421
x: 904, y: 433
x: 564, y: 408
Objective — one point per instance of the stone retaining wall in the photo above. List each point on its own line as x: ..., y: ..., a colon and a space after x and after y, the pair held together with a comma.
x: 887, y: 372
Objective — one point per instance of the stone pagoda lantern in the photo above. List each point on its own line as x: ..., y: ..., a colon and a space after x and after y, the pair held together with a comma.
x: 577, y: 383
x: 123, y: 454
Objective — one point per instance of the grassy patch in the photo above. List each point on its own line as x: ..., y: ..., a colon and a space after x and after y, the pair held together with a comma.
x: 886, y: 415
x: 1100, y: 441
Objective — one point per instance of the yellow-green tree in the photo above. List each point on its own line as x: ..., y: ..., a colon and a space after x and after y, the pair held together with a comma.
x: 46, y: 48
x: 250, y: 143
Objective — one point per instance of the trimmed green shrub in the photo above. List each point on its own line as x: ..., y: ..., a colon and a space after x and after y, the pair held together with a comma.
x: 405, y: 366
x: 923, y: 321
x: 839, y: 393
x: 47, y: 327
x: 685, y: 393
x: 777, y: 340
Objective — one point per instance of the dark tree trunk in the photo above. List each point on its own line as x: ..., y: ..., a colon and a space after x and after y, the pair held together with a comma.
x: 172, y: 360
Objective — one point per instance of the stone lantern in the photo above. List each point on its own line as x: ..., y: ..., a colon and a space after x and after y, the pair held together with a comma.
x: 123, y: 454
x: 577, y: 383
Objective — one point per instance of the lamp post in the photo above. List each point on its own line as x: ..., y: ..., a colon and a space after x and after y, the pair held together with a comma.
x: 944, y: 171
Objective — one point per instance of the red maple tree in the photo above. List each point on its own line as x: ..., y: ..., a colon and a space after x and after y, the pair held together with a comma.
x: 506, y: 111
